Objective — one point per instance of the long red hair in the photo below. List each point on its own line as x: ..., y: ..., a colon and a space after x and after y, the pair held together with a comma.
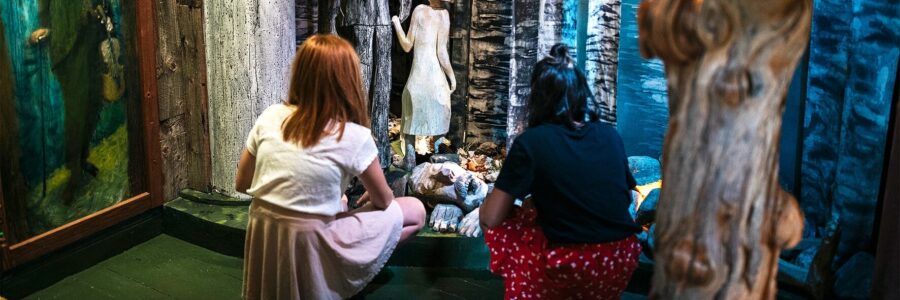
x: 327, y: 89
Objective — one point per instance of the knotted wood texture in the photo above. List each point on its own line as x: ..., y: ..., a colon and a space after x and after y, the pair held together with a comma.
x: 722, y: 217
x: 250, y: 47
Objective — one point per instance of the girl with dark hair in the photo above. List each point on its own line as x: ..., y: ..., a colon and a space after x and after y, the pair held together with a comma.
x: 574, y: 238
x: 302, y: 242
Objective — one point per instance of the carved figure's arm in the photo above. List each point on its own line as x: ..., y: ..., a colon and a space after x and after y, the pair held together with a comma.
x: 407, y: 39
x: 443, y: 56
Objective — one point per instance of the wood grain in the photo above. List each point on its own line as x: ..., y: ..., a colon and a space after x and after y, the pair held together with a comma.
x: 250, y: 47
x: 722, y: 216
x: 183, y: 112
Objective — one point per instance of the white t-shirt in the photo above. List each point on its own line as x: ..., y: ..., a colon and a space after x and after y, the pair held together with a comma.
x: 310, y: 180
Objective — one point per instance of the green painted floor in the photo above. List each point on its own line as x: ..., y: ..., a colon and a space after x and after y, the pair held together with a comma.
x: 168, y: 268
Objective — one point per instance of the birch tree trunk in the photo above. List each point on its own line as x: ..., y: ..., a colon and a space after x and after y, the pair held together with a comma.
x: 251, y: 43
x: 722, y: 217
x: 526, y: 31
x: 602, y: 54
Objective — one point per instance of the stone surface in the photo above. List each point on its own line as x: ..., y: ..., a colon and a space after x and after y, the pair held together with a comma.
x: 854, y: 279
x: 647, y: 211
x: 645, y: 169
x: 442, y: 158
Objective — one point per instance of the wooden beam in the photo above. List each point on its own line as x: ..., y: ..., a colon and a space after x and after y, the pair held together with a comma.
x: 146, y: 44
x: 722, y: 217
x: 59, y: 237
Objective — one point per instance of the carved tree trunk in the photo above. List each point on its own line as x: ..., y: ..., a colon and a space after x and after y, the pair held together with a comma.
x: 251, y: 44
x: 307, y: 19
x: 723, y: 218
x: 183, y: 107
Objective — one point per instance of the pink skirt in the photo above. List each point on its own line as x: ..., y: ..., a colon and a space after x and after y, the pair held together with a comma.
x: 293, y: 255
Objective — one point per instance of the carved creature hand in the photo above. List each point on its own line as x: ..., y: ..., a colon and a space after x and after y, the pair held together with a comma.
x: 445, y: 218
x: 470, y: 225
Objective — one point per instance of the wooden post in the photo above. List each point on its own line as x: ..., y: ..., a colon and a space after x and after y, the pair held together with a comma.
x: 249, y: 52
x: 723, y: 218
x: 183, y: 110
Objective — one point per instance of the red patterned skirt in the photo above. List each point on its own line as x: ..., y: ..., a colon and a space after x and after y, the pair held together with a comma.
x: 533, y: 269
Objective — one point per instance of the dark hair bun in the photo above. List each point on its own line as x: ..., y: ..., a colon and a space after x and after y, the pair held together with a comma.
x: 560, y: 53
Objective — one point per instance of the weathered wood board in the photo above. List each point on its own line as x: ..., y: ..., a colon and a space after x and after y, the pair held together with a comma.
x: 181, y: 79
x: 250, y: 47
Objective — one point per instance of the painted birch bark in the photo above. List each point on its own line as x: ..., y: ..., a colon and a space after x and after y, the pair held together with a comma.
x: 602, y: 54
x: 525, y: 54
x: 250, y: 46
x: 852, y: 71
x: 551, y: 22
x: 183, y: 111
x: 490, y: 52
x: 828, y: 69
x: 723, y: 219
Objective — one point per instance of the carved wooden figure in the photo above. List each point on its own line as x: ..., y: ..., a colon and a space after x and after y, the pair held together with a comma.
x: 722, y: 217
x: 426, y: 97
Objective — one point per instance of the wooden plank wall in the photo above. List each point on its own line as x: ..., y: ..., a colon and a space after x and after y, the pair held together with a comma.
x: 183, y: 115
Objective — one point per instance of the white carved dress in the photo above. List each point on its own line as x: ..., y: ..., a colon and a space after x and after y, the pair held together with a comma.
x: 426, y: 97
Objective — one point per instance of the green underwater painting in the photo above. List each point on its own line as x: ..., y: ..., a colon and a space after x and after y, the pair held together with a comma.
x: 68, y: 95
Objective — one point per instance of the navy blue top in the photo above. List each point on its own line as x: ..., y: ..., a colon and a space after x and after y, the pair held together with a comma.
x: 578, y: 179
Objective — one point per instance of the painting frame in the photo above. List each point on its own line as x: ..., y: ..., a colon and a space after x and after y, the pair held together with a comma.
x: 13, y: 255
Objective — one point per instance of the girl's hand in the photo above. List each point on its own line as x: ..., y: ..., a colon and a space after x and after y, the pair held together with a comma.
x: 363, y: 199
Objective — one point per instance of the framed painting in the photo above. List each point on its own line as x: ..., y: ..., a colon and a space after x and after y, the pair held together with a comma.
x: 79, y: 132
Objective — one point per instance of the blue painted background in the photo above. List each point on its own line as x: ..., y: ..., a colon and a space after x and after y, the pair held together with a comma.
x: 642, y: 103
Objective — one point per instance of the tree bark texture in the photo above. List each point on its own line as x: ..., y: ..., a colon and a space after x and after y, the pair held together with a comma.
x: 722, y: 217
x: 460, y: 21
x: 13, y: 188
x: 490, y: 52
x: 602, y: 54
x: 251, y: 44
x: 367, y: 25
x: 853, y: 59
x: 183, y: 111
x: 525, y: 54
x: 307, y: 12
